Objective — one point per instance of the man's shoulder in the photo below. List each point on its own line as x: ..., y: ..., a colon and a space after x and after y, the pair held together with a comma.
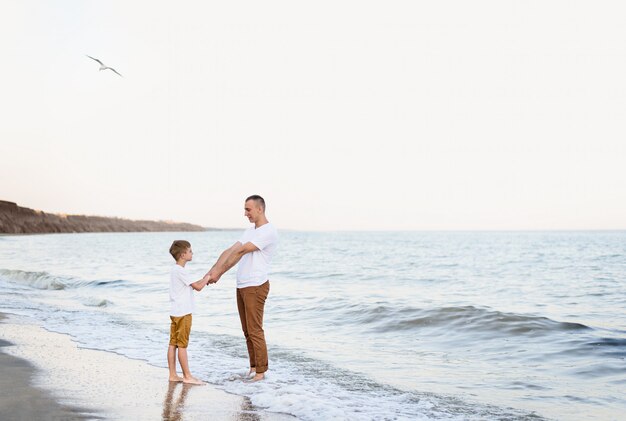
x: 249, y: 230
x: 267, y: 231
x: 269, y: 227
x: 273, y: 230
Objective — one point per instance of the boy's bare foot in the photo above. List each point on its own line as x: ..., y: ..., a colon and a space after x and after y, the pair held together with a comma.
x: 193, y: 380
x: 176, y: 379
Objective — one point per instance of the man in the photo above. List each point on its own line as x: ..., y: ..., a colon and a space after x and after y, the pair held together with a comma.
x: 254, y: 252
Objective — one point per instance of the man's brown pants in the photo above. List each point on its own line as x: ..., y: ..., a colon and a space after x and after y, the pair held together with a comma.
x: 251, y: 303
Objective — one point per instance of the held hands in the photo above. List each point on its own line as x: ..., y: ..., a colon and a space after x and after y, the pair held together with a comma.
x: 215, y: 274
x: 211, y: 277
x: 206, y: 279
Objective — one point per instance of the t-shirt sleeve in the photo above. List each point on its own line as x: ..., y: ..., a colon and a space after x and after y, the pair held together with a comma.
x: 264, y: 238
x: 183, y: 276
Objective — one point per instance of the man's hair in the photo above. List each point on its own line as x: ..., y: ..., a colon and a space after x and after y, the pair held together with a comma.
x: 259, y: 201
x: 179, y: 247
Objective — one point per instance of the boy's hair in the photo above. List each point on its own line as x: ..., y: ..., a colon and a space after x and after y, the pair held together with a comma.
x: 259, y: 201
x: 179, y: 247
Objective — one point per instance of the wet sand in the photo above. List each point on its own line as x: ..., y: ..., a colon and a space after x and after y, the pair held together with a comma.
x: 44, y: 375
x: 19, y: 400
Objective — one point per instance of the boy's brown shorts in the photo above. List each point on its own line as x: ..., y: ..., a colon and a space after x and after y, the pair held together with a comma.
x: 179, y: 330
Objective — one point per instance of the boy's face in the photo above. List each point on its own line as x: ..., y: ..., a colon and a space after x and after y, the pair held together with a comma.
x: 187, y: 255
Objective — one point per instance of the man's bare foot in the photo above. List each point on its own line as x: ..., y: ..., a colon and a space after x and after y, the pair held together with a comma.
x: 193, y: 380
x: 176, y: 379
x: 256, y: 378
x: 252, y: 372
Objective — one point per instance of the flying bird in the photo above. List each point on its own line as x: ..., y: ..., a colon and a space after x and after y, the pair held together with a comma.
x: 103, y: 66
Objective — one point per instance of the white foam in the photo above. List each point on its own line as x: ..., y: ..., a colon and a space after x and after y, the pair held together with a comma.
x: 296, y: 384
x: 104, y: 385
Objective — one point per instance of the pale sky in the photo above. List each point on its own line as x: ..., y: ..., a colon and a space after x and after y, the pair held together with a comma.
x: 344, y: 115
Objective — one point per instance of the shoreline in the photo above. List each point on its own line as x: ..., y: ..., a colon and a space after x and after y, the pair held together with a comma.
x: 22, y: 234
x: 20, y: 400
x: 45, y: 375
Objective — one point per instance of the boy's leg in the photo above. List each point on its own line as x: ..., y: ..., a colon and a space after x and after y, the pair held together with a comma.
x: 184, y: 364
x: 171, y: 364
x: 179, y: 338
x: 171, y: 351
x: 183, y: 341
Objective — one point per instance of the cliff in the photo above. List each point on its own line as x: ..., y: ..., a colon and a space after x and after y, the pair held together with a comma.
x: 15, y: 219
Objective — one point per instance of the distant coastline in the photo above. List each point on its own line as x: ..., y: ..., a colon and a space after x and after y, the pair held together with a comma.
x: 15, y: 219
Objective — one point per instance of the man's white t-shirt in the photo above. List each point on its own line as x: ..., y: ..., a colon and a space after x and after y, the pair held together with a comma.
x: 254, y: 267
x: 181, y: 292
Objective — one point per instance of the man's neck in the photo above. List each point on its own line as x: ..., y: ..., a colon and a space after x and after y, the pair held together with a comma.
x: 260, y: 223
x: 181, y: 262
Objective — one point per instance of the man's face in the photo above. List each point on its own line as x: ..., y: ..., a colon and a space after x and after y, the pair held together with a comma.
x: 253, y: 211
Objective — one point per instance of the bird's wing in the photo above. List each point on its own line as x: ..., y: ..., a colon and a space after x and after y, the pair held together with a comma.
x: 111, y: 68
x: 95, y: 59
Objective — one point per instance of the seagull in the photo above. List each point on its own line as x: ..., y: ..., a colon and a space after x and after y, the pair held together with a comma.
x: 102, y: 65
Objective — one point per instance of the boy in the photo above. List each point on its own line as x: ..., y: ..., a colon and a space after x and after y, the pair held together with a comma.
x: 182, y: 305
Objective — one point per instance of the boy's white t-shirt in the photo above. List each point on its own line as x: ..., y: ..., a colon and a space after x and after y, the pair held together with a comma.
x: 254, y: 267
x: 181, y: 293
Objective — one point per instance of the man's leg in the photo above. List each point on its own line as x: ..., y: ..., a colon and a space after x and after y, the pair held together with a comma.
x: 254, y: 302
x: 244, y: 326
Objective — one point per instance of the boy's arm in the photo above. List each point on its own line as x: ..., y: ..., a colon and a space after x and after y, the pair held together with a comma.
x: 199, y: 285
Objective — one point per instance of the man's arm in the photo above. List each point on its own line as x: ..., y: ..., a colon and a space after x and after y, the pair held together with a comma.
x: 229, y: 258
x: 212, y: 274
x: 224, y: 256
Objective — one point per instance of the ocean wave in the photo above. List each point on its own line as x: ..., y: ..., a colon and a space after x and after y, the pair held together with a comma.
x: 107, y: 283
x: 45, y: 280
x: 610, y: 347
x: 385, y: 318
x: 97, y: 302
x: 38, y: 280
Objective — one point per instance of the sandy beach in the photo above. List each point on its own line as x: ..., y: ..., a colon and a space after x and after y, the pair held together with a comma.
x: 19, y: 400
x: 45, y: 375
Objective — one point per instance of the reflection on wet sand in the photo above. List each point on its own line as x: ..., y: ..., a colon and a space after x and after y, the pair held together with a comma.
x: 173, y: 409
x: 248, y: 411
x: 178, y: 401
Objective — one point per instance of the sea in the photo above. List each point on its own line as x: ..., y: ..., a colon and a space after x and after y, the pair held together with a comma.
x: 360, y: 325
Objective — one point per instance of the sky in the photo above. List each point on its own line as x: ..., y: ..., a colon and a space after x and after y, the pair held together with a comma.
x: 343, y: 115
